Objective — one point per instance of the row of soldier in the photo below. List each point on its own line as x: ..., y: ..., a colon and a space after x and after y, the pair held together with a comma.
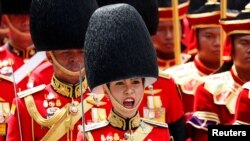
x: 119, y: 62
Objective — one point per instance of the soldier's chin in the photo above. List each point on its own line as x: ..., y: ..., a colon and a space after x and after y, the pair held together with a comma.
x: 72, y: 73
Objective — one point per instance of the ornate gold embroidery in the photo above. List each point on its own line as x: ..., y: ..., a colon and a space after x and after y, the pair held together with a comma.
x: 68, y: 90
x: 119, y: 122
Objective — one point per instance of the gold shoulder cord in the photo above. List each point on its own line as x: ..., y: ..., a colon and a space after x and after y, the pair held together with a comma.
x: 68, y: 121
x: 58, y: 120
x: 142, y: 132
x: 33, y: 112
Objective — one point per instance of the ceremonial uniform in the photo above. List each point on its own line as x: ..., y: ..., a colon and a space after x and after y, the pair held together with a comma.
x: 53, y: 112
x: 12, y: 58
x: 165, y: 64
x: 58, y: 106
x: 241, y: 116
x: 9, y: 60
x: 164, y: 88
x: 121, y: 74
x: 162, y: 101
x: 135, y: 128
x: 215, y: 100
x: 163, y: 39
x: 188, y: 77
x: 39, y: 73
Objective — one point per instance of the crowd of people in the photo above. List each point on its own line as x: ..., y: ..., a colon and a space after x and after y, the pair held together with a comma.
x: 76, y: 70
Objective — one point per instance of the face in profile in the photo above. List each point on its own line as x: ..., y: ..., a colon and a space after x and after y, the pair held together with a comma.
x: 128, y: 92
x: 241, y: 51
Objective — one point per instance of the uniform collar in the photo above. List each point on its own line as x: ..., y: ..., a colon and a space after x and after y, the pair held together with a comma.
x: 235, y: 76
x: 124, y: 124
x: 164, y: 64
x: 204, y: 71
x: 24, y: 53
x: 68, y: 90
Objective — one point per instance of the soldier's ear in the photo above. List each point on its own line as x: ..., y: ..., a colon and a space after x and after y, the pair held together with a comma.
x: 48, y: 54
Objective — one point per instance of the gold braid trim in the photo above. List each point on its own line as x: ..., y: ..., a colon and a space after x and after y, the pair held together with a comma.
x: 67, y: 122
x: 117, y: 121
x: 33, y: 112
x: 142, y: 132
x: 238, y: 122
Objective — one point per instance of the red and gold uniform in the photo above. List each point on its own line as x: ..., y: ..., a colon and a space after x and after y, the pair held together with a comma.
x: 214, y: 102
x: 135, y: 128
x: 162, y: 103
x: 163, y: 39
x: 55, y: 107
x: 243, y: 106
x: 165, y: 64
x: 12, y: 58
x: 162, y: 94
x: 188, y: 77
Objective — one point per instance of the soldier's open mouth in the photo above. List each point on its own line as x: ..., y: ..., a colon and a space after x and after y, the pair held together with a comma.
x: 129, y: 103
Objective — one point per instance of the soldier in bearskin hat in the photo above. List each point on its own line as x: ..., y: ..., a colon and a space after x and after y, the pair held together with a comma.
x: 163, y: 93
x: 121, y: 61
x: 147, y: 9
x: 53, y: 112
x: 13, y: 54
x: 215, y: 99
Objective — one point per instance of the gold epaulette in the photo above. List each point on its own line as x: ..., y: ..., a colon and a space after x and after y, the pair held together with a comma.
x: 93, y: 126
x: 164, y: 75
x: 31, y: 91
x: 155, y: 123
x: 152, y: 92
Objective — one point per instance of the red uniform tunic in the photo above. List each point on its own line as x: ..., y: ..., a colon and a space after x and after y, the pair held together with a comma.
x: 166, y: 89
x: 242, y: 111
x: 120, y: 128
x: 7, y: 55
x: 165, y: 64
x: 48, y: 101
x: 214, y: 102
x: 43, y: 73
x: 188, y: 76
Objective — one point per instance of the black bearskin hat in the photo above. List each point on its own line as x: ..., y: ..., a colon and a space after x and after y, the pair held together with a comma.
x: 60, y: 24
x: 15, y: 6
x: 118, y: 46
x: 147, y: 8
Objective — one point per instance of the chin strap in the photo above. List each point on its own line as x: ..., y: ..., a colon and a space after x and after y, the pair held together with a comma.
x: 118, y: 106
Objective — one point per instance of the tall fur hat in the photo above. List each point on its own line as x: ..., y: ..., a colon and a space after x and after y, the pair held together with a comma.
x: 60, y: 24
x: 147, y: 8
x: 15, y: 6
x: 118, y: 46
